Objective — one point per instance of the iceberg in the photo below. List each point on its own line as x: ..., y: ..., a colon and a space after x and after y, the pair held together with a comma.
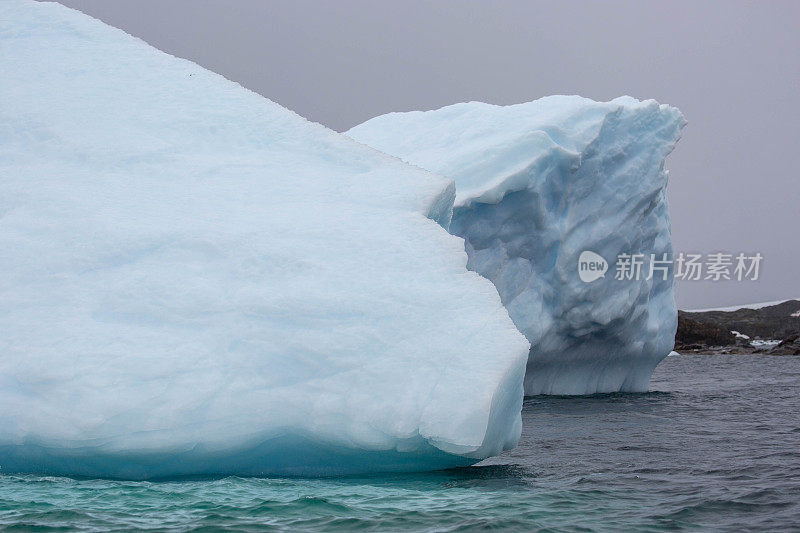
x: 197, y: 281
x: 541, y: 188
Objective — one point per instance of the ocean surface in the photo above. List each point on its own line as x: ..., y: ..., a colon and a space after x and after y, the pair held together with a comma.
x: 716, y: 444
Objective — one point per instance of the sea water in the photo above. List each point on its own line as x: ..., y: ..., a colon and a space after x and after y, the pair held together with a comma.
x: 716, y: 444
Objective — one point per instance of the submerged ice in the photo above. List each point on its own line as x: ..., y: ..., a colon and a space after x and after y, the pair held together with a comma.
x: 541, y: 186
x: 198, y: 281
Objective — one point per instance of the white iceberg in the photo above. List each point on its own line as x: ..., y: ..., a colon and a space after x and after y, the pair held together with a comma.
x: 196, y: 280
x: 540, y: 184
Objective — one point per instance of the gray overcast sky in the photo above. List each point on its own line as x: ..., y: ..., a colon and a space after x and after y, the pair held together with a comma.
x: 733, y: 68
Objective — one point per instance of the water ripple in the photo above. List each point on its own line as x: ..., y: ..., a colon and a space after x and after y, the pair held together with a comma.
x: 714, y: 446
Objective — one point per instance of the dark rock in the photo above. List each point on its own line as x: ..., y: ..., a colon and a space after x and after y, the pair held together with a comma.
x: 771, y: 322
x: 790, y: 346
x: 709, y: 332
x: 693, y: 331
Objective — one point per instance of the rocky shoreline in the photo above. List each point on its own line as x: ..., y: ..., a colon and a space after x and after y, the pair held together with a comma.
x: 769, y: 330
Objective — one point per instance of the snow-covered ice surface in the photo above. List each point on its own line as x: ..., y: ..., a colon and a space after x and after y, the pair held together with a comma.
x: 759, y: 305
x: 764, y: 343
x: 196, y: 280
x: 539, y: 183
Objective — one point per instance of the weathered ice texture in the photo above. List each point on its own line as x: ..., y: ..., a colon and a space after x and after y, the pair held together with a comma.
x: 539, y: 183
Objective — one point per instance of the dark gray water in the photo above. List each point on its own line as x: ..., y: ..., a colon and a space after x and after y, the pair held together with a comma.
x: 716, y: 445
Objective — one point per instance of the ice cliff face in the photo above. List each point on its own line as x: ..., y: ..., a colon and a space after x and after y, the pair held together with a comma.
x: 197, y: 281
x: 539, y: 184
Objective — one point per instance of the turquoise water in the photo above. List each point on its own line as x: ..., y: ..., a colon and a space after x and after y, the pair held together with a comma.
x: 715, y: 445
